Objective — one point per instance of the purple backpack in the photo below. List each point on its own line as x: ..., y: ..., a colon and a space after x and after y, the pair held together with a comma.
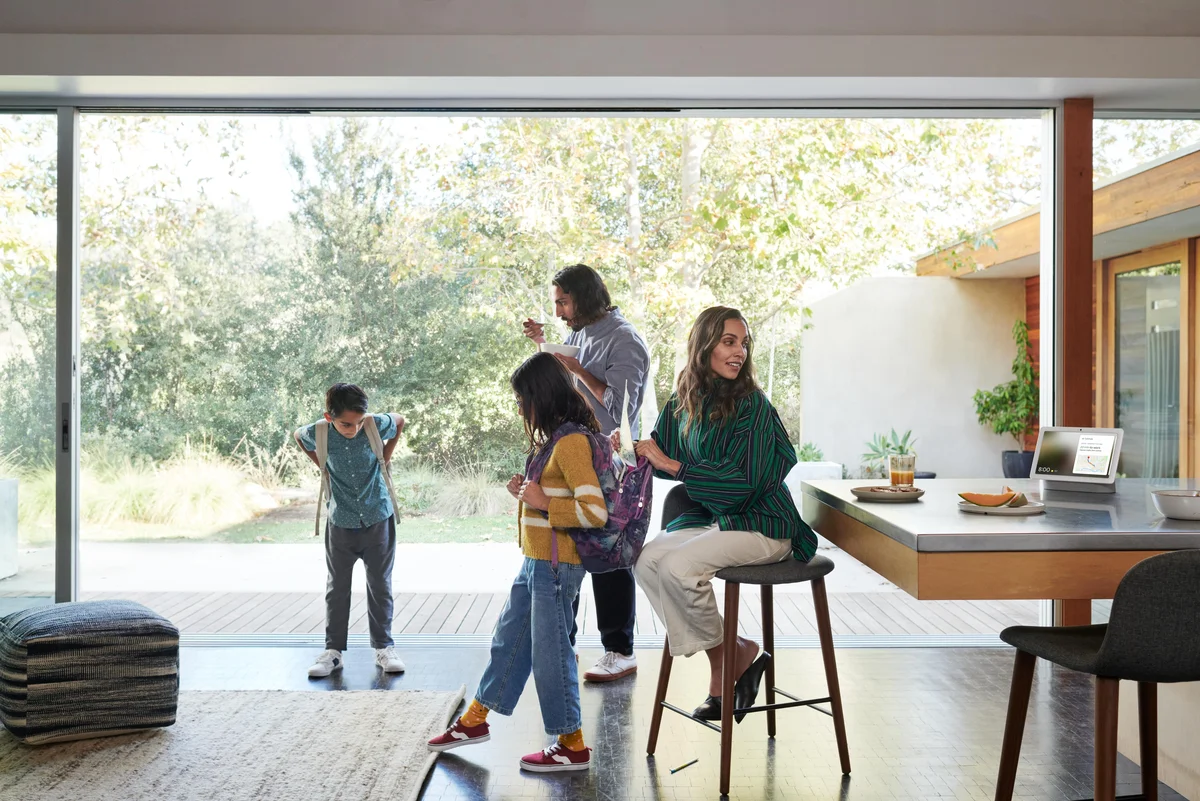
x: 626, y: 490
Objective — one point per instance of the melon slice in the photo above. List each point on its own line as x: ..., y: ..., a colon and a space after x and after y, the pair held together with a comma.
x: 982, y: 499
x: 1019, y: 498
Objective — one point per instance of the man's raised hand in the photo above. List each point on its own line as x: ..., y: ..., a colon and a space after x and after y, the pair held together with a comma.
x: 534, y: 330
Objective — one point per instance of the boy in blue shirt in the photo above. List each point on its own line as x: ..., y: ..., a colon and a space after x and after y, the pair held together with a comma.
x: 361, y: 523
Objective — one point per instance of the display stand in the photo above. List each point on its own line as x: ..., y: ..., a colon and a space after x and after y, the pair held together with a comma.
x: 1053, y: 486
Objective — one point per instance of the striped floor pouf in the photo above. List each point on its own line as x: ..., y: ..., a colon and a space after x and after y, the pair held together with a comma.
x: 88, y: 669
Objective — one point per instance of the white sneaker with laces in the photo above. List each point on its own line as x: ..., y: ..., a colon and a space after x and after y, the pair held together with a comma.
x: 329, y: 661
x: 387, y: 659
x: 612, y: 666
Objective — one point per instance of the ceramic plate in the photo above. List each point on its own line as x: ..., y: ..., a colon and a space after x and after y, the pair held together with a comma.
x: 886, y: 494
x: 1031, y: 508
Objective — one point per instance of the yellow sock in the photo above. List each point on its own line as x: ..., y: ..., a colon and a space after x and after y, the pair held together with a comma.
x: 574, y: 740
x: 476, y: 713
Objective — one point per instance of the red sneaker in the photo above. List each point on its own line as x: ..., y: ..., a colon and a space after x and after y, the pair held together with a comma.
x: 555, y: 758
x: 459, y: 735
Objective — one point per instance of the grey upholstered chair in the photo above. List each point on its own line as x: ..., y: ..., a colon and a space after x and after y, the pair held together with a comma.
x: 789, y: 571
x: 1152, y: 636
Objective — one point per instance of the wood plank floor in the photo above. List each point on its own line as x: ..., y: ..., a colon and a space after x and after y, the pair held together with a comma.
x: 868, y: 613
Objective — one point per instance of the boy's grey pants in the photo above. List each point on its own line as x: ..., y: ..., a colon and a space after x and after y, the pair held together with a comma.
x: 376, y: 546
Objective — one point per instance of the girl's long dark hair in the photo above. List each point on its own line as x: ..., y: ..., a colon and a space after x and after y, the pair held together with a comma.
x: 549, y: 399
x: 697, y: 387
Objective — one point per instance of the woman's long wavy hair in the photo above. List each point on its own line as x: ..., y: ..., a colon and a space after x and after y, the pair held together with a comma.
x: 548, y: 399
x: 698, y: 387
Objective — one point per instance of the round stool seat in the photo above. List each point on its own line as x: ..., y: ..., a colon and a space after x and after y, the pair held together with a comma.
x: 789, y: 571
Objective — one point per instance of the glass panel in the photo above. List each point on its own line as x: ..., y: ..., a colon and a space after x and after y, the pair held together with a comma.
x: 1147, y: 371
x: 28, y: 146
x: 234, y: 267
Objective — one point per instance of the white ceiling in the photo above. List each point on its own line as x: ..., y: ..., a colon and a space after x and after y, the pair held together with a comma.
x: 1142, y: 55
x: 608, y: 17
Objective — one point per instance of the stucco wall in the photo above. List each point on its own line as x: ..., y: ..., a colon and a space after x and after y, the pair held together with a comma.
x: 908, y: 353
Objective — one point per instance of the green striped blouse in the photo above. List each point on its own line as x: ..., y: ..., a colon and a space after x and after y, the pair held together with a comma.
x: 736, y: 468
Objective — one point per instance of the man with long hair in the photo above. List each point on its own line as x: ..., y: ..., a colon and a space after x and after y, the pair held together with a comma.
x: 612, y: 357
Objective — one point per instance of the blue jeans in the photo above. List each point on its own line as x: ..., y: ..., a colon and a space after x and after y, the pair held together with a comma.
x: 539, y: 609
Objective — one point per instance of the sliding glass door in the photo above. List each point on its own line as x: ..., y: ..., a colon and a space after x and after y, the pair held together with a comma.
x: 28, y: 317
x: 1141, y: 355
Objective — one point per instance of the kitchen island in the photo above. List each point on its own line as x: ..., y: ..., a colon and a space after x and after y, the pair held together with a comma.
x: 1076, y: 551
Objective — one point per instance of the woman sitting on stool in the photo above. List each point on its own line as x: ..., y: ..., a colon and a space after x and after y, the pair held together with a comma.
x: 723, y: 439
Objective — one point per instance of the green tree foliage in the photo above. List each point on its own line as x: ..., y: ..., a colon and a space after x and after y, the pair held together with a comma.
x: 406, y: 261
x: 27, y: 287
x: 679, y: 214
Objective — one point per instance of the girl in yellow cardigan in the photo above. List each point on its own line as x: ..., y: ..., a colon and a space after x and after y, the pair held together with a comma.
x: 559, y: 490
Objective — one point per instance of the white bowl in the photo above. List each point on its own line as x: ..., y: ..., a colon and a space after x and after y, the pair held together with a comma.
x: 561, y: 350
x: 1177, y: 504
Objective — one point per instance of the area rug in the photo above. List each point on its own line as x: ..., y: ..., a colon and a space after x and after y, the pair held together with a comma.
x: 235, y: 746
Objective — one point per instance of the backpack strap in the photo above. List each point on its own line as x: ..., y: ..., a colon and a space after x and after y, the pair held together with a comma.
x: 376, y: 443
x: 321, y: 435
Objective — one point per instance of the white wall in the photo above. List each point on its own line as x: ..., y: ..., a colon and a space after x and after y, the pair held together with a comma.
x: 908, y: 353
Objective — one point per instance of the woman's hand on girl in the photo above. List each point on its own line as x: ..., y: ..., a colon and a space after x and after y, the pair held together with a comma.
x: 655, y: 456
x: 533, y: 495
x: 615, y: 439
x: 514, y: 485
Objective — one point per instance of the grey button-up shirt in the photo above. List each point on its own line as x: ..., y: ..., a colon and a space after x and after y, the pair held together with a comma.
x: 614, y: 352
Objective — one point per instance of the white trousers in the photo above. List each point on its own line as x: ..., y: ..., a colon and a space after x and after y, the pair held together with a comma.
x: 675, y: 570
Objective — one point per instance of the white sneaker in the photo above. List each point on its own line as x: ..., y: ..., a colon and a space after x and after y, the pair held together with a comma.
x: 387, y: 659
x: 329, y: 661
x: 612, y: 666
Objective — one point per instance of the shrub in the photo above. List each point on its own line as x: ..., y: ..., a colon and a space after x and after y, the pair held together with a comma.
x: 286, y: 466
x: 1012, y: 408
x: 469, y: 492
x: 416, y: 486
x: 196, y: 489
x: 881, y: 446
x: 809, y: 452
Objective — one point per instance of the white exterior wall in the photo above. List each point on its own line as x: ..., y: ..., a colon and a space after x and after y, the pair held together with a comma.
x: 908, y: 353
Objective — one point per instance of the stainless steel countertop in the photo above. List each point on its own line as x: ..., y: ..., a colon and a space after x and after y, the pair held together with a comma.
x: 1073, y: 521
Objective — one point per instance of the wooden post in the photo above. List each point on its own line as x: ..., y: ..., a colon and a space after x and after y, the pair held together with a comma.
x: 1075, y: 325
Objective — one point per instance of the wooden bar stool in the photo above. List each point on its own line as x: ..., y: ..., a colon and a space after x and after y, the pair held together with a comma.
x: 789, y: 571
x: 1152, y: 636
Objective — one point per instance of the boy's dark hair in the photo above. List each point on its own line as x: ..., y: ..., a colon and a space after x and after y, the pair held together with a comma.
x: 548, y: 399
x: 587, y: 289
x: 345, y: 398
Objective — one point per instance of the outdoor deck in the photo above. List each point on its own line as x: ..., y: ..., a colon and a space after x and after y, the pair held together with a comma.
x: 297, y: 613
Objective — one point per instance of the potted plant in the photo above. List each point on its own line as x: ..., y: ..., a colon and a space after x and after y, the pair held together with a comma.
x: 1012, y: 408
x: 881, y: 446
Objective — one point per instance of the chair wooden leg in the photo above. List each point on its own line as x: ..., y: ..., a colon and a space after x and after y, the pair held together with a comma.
x: 821, y: 605
x: 768, y: 624
x: 727, y: 680
x: 664, y: 678
x: 1106, y: 739
x: 1148, y: 736
x: 1014, y: 726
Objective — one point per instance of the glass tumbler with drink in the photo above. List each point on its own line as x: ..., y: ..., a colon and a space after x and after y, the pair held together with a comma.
x: 902, y: 469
